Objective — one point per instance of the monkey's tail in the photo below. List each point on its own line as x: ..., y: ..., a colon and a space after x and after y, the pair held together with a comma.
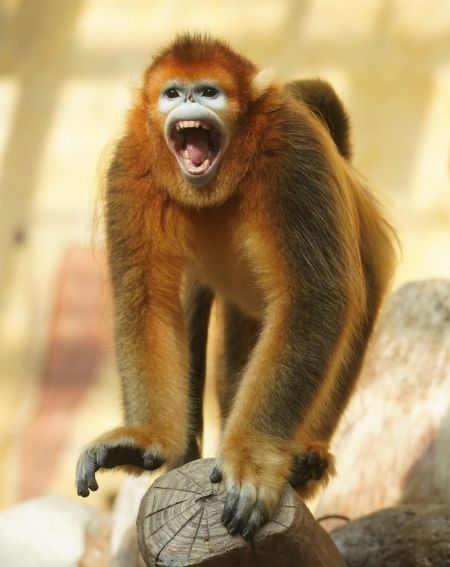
x: 327, y: 106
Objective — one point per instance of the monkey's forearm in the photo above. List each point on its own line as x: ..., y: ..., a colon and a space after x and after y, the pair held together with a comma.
x: 154, y: 370
x: 294, y: 359
x: 151, y: 349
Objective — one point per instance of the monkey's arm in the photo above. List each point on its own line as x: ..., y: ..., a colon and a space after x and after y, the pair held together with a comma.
x: 310, y: 269
x: 150, y: 341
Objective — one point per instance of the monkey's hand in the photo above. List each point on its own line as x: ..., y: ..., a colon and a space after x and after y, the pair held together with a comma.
x: 131, y: 448
x: 255, y: 472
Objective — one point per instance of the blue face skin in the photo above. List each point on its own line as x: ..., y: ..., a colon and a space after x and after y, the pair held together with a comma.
x: 193, y: 127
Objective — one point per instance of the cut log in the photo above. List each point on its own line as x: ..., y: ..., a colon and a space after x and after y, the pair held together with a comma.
x: 406, y: 536
x: 179, y: 525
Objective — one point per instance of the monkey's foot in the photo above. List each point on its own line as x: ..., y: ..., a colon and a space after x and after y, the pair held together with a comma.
x: 310, y: 470
x: 254, y: 481
x: 106, y: 455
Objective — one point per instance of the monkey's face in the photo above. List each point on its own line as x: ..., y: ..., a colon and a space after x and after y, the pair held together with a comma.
x: 194, y: 129
x: 193, y: 118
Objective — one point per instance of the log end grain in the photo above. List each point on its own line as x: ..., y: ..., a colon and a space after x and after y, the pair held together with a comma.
x: 179, y: 525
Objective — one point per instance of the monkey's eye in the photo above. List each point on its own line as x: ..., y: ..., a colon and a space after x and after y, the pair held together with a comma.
x: 209, y: 92
x: 172, y: 93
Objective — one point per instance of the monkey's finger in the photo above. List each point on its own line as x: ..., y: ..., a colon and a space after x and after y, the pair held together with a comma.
x: 152, y: 461
x: 216, y: 473
x: 231, y: 501
x: 85, y: 478
x: 258, y: 517
x: 241, y: 511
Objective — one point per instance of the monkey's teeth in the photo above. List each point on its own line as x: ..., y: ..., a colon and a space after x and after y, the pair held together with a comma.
x: 196, y: 169
x: 192, y: 124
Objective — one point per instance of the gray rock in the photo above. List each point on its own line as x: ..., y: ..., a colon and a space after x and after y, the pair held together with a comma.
x: 407, y: 536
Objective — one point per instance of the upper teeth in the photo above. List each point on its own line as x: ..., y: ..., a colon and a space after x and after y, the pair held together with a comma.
x: 192, y: 124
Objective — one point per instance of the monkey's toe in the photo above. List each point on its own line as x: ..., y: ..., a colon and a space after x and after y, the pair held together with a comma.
x: 308, y: 466
x: 107, y: 457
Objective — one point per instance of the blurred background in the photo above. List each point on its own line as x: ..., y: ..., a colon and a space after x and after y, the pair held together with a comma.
x: 68, y: 70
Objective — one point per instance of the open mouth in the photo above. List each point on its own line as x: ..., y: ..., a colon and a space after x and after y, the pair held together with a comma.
x: 197, y: 145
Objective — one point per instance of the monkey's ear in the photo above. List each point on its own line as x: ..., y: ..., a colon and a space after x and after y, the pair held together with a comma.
x: 261, y: 82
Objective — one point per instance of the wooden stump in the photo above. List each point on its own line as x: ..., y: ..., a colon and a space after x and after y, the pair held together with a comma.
x: 179, y: 525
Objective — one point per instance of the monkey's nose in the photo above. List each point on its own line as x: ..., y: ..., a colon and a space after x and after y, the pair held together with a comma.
x: 190, y: 97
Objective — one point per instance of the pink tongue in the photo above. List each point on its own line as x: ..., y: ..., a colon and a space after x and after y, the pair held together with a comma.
x: 197, y: 145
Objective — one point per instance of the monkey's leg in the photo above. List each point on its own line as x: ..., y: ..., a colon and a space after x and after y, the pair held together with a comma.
x: 152, y: 355
x: 197, y: 307
x: 314, y: 466
x: 238, y: 334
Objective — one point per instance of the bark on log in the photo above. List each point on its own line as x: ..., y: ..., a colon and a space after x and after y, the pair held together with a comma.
x: 179, y: 525
x: 407, y: 536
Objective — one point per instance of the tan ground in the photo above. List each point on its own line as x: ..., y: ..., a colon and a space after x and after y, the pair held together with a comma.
x: 67, y: 72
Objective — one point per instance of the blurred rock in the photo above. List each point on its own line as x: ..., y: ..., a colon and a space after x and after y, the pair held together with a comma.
x: 408, y: 536
x: 45, y: 532
x: 97, y: 543
x: 124, y: 544
x: 128, y: 554
x: 392, y: 446
x: 54, y: 531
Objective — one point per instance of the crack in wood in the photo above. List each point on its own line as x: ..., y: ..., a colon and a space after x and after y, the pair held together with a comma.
x: 190, y: 479
x: 168, y: 506
x: 280, y: 524
x: 171, y: 489
x: 169, y: 520
x: 207, y: 528
x: 255, y: 559
x: 196, y: 534
x: 175, y: 534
